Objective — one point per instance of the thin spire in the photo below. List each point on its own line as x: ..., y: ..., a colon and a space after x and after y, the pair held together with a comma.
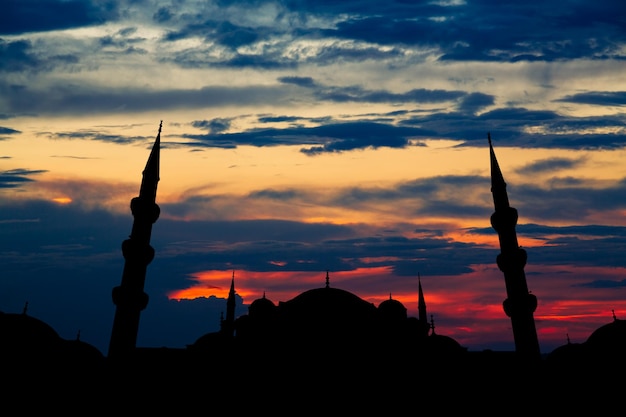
x: 498, y: 185
x: 327, y: 279
x: 421, y: 302
x: 151, y: 178
x: 229, y: 323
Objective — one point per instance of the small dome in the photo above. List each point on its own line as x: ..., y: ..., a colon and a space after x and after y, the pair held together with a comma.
x: 392, y: 310
x: 567, y: 354
x: 261, y: 307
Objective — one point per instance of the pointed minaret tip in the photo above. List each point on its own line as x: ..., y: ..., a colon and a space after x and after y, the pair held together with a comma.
x: 151, y: 175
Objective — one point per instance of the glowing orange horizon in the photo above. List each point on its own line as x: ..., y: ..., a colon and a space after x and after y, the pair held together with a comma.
x: 471, y: 313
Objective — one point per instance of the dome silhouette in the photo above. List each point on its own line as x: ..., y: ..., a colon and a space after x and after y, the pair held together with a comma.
x: 609, y: 336
x: 392, y: 310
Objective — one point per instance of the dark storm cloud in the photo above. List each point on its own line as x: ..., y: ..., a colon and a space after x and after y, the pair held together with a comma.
x: 17, y: 56
x: 66, y: 99
x: 164, y: 14
x: 553, y: 202
x: 213, y: 126
x: 20, y: 56
x: 508, y: 128
x: 16, y: 177
x: 494, y: 31
x: 280, y: 119
x: 337, y: 137
x: 98, y: 136
x: 476, y: 31
x: 507, y: 125
x: 307, y: 82
x: 475, y: 102
x: 361, y: 135
x: 550, y: 165
x: 357, y: 94
x: 600, y: 98
x: 588, y: 245
x: 8, y: 131
x: 22, y: 16
x: 224, y: 33
x: 123, y: 42
x: 604, y: 284
x: 255, y: 245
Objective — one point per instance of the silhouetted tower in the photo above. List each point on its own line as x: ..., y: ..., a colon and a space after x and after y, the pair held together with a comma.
x: 228, y: 325
x: 520, y: 303
x: 129, y: 297
x: 421, y: 309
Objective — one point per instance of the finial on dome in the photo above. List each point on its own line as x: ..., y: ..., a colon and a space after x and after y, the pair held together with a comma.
x: 327, y: 279
x: 614, y: 316
x: 25, y: 308
x: 390, y: 296
x: 78, y: 336
x: 432, y: 325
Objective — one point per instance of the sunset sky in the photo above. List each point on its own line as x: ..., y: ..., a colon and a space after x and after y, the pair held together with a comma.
x: 301, y: 137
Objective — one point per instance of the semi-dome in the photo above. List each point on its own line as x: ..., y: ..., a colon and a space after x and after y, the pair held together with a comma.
x: 610, y: 337
x: 24, y: 331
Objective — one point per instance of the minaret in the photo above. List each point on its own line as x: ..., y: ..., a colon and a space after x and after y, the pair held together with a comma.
x: 520, y: 304
x: 421, y: 309
x: 129, y: 297
x: 228, y: 325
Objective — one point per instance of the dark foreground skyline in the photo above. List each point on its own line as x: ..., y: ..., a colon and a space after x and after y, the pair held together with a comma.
x: 301, y: 137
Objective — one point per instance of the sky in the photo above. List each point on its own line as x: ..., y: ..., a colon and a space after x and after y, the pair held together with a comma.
x: 306, y: 137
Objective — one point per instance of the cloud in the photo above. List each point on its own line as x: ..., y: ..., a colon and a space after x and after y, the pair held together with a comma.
x: 16, y: 177
x: 598, y: 98
x: 213, y: 126
x: 550, y: 165
x: 17, y: 56
x: 604, y: 284
x: 23, y: 16
x: 7, y: 131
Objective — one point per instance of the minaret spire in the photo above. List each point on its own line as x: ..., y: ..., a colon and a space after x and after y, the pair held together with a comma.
x: 129, y: 296
x: 421, y: 308
x: 520, y: 303
x: 228, y: 326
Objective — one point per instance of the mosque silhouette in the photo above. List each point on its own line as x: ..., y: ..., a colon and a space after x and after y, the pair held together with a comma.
x: 324, y: 348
